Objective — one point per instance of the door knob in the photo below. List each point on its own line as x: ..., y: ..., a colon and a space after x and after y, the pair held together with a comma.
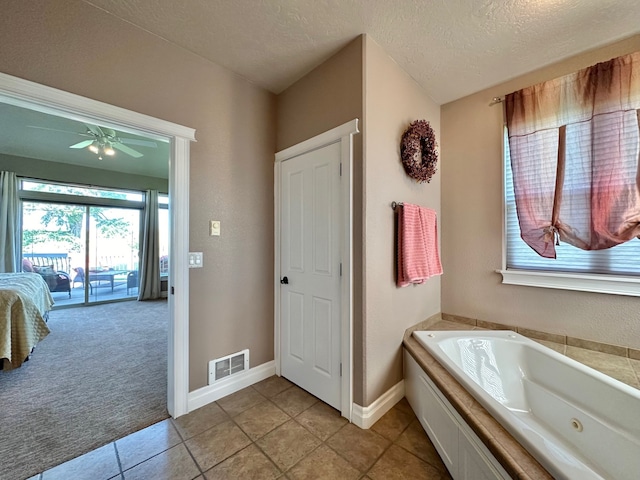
x: 284, y: 281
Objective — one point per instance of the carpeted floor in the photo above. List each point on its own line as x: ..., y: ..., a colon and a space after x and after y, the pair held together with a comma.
x: 99, y: 375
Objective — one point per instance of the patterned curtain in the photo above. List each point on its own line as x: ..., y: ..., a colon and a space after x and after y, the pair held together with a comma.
x: 10, y: 230
x: 575, y: 147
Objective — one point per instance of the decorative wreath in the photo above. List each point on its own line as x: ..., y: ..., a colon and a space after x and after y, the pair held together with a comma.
x: 418, y: 150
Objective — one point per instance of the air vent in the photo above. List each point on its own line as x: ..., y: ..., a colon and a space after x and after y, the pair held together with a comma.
x: 224, y: 367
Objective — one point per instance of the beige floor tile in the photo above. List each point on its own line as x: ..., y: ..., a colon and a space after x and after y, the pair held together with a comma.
x: 272, y: 386
x: 240, y: 401
x: 217, y: 444
x: 294, y: 400
x: 200, y: 420
x: 288, y: 444
x: 321, y: 420
x: 397, y: 463
x: 415, y: 440
x: 393, y: 423
x: 261, y: 419
x: 323, y: 464
x: 99, y: 463
x: 146, y: 443
x: 404, y: 406
x: 173, y: 464
x: 249, y: 463
x: 359, y: 447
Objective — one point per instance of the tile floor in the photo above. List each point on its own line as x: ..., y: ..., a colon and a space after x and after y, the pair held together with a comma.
x: 276, y: 430
x: 270, y: 430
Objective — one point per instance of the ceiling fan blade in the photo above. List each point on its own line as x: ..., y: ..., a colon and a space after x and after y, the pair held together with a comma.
x: 127, y: 150
x: 82, y: 144
x: 140, y: 143
x: 57, y: 130
x: 95, y: 130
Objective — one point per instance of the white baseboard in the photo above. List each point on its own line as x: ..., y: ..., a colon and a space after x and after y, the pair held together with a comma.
x: 211, y: 393
x: 365, y: 417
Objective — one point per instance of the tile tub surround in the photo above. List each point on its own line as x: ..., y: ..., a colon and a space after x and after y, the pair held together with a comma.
x: 271, y: 430
x: 608, y: 348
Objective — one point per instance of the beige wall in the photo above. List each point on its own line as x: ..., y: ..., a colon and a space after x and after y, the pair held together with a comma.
x: 329, y: 96
x: 392, y: 101
x: 75, y: 47
x: 361, y: 81
x: 326, y: 97
x: 64, y: 172
x: 472, y: 226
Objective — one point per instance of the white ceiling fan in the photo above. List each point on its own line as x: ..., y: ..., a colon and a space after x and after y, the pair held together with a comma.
x: 105, y: 141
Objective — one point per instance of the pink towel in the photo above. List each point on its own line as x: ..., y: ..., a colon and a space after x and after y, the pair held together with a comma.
x: 418, y: 257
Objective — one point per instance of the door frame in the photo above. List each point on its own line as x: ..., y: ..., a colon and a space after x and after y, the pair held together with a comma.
x: 342, y: 134
x: 34, y: 96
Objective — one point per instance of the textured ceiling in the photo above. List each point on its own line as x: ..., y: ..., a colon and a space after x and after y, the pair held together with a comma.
x: 450, y: 47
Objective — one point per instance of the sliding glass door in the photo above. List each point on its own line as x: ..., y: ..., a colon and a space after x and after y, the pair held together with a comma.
x: 53, y: 244
x: 85, y: 253
x: 113, y: 260
x: 85, y: 241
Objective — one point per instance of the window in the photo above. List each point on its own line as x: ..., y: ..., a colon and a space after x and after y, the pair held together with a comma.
x: 623, y: 259
x: 566, y: 159
x: 89, y: 235
x: 80, y: 190
x: 93, y: 235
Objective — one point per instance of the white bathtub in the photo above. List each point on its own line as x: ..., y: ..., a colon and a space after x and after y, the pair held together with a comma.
x: 577, y: 422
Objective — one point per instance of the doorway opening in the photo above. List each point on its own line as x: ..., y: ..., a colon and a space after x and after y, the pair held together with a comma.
x: 39, y: 98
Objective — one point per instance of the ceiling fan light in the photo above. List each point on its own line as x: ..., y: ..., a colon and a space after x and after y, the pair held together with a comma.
x: 108, y: 150
x: 94, y: 147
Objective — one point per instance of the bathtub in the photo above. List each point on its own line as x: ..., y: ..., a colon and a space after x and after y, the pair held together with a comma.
x: 576, y: 422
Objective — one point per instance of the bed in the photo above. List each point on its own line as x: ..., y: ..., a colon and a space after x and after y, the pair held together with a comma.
x: 25, y: 301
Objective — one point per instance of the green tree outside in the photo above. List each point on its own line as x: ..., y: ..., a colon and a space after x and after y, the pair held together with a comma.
x: 69, y: 219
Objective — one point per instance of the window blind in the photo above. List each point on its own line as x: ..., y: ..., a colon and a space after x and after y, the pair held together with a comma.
x: 622, y: 259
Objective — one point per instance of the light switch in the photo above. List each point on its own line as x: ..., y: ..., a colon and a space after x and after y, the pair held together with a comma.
x: 195, y: 259
x: 214, y: 228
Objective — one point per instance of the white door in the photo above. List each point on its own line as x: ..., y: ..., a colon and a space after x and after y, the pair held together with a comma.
x: 310, y: 261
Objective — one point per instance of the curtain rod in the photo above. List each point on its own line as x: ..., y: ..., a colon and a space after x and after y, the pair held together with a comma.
x: 495, y: 100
